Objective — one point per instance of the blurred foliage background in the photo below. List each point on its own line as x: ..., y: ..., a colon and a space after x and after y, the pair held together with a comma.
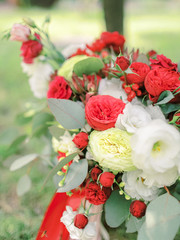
x: 148, y: 24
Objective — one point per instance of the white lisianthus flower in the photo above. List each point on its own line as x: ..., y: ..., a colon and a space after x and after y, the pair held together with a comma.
x: 155, y: 147
x: 133, y: 117
x: 39, y: 72
x: 135, y: 186
x: 113, y: 88
x: 88, y: 233
x: 65, y: 144
x: 159, y: 180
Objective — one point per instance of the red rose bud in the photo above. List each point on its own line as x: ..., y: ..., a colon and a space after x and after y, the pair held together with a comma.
x: 30, y: 49
x: 81, y: 140
x: 107, y: 179
x: 138, y: 208
x: 80, y: 221
x: 95, y: 173
x: 151, y: 53
x: 122, y: 62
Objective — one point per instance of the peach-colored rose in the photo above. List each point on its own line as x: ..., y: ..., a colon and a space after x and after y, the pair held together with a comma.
x: 20, y: 33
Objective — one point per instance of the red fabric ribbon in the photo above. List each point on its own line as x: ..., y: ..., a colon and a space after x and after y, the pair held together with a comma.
x: 51, y: 227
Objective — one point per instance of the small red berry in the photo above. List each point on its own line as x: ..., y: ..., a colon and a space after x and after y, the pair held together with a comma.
x: 129, y: 99
x: 135, y: 87
x: 127, y: 90
x: 138, y: 208
x: 123, y: 85
x: 132, y: 94
x: 138, y: 93
x: 80, y: 221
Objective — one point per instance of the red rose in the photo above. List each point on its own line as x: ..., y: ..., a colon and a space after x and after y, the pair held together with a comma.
x: 59, y: 89
x: 95, y: 173
x: 30, y: 49
x: 94, y: 194
x: 164, y: 62
x: 138, y: 208
x: 159, y: 80
x: 107, y: 179
x: 81, y: 140
x: 113, y: 39
x: 102, y: 111
x: 80, y: 221
x: 123, y: 62
x: 141, y: 70
x: 96, y: 46
x: 151, y: 53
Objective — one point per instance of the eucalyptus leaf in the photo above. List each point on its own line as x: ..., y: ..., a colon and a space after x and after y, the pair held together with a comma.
x: 88, y: 66
x: 77, y: 172
x: 116, y: 209
x: 15, y: 144
x: 162, y: 219
x: 56, y: 131
x: 165, y: 97
x: 169, y: 107
x: 24, y: 185
x: 61, y: 164
x: 22, y: 161
x: 68, y: 113
x: 134, y: 224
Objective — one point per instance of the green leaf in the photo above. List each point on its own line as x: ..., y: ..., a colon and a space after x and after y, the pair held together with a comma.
x: 21, y: 162
x: 169, y: 107
x: 39, y: 124
x: 24, y: 185
x: 56, y: 131
x: 162, y: 219
x: 22, y: 119
x: 15, y: 144
x: 61, y: 164
x: 165, y: 97
x: 88, y: 66
x: 116, y: 209
x: 134, y: 224
x: 68, y: 113
x: 77, y: 172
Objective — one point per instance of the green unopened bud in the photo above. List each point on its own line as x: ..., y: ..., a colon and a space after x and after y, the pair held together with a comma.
x: 127, y: 197
x: 66, y: 167
x: 121, y: 192
x: 122, y: 184
x: 29, y: 22
x: 61, y: 183
x: 60, y: 173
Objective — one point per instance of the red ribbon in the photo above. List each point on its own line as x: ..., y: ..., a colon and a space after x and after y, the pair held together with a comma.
x: 51, y: 227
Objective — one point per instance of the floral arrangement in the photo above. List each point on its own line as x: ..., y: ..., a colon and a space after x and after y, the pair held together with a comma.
x: 115, y: 133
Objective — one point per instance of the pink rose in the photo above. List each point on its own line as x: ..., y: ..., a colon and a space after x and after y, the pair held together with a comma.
x: 102, y: 111
x: 20, y: 33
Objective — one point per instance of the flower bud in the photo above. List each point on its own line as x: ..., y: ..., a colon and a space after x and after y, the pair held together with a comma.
x: 138, y: 208
x: 81, y: 140
x: 95, y: 173
x: 107, y: 179
x: 80, y: 221
x: 122, y: 62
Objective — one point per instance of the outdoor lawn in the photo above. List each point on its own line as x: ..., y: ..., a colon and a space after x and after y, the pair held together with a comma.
x: 145, y: 28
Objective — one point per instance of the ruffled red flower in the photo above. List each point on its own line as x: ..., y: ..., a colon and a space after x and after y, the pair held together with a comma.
x: 96, y: 46
x: 59, y: 89
x: 159, y: 80
x: 163, y: 61
x: 94, y: 194
x: 102, y: 111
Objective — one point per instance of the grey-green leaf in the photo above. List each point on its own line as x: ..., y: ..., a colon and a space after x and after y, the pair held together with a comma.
x: 116, y: 209
x: 68, y: 113
x: 56, y: 131
x: 24, y: 185
x: 134, y: 224
x: 76, y: 174
x: 88, y: 66
x: 165, y: 97
x: 162, y: 219
x: 24, y: 160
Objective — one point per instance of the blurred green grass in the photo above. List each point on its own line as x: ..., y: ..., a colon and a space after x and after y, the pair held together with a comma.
x: 145, y: 29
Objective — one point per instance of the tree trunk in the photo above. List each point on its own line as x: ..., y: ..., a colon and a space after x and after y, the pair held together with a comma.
x: 114, y: 12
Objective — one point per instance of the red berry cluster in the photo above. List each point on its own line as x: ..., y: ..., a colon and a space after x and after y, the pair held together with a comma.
x: 132, y: 91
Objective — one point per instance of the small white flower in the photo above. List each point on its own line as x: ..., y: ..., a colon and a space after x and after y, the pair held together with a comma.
x: 113, y: 88
x: 135, y: 186
x: 39, y: 72
x: 133, y: 117
x: 155, y: 147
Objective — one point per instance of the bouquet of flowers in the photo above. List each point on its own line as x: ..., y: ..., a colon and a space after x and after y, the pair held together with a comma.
x: 115, y: 135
